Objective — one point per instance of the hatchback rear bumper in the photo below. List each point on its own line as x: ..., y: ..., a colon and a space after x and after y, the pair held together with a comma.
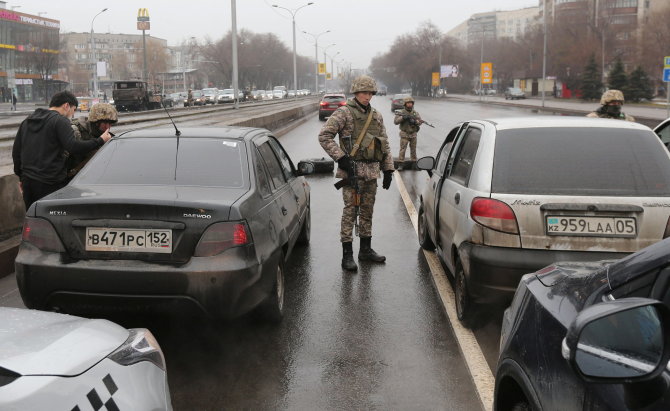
x: 493, y: 273
x: 225, y: 286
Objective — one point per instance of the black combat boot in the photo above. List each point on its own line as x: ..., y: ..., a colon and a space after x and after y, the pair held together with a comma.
x: 348, y: 262
x: 366, y: 252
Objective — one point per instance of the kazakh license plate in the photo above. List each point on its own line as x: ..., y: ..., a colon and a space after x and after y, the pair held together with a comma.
x: 592, y: 226
x: 128, y: 240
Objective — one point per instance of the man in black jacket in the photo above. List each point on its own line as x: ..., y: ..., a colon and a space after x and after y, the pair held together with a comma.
x: 41, y: 144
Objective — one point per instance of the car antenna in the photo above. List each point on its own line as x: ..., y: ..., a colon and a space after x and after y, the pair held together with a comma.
x: 177, y: 132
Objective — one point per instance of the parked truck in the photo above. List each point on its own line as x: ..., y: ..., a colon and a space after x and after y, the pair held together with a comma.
x: 134, y: 95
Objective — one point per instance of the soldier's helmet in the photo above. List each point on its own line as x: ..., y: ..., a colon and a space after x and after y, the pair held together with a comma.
x: 364, y: 83
x: 611, y: 95
x: 103, y: 112
x: 407, y: 99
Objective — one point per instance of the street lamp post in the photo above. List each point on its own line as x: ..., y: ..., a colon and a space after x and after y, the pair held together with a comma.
x: 295, y: 70
x: 95, y: 60
x: 316, y: 58
x: 325, y: 63
x: 332, y: 67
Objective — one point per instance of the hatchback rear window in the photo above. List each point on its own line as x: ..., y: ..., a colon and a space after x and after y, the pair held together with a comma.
x: 333, y: 98
x: 580, y: 161
x: 151, y: 161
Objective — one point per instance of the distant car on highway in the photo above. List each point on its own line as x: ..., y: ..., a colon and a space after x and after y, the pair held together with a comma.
x: 510, y: 196
x: 514, y: 93
x: 203, y: 220
x: 329, y: 103
x: 398, y: 101
x: 593, y: 333
x: 210, y: 95
x: 51, y: 361
x: 226, y: 96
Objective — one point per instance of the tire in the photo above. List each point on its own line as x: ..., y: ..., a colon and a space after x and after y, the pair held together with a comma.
x: 464, y: 305
x: 305, y: 231
x: 424, y: 237
x: 272, y: 309
x: 322, y: 118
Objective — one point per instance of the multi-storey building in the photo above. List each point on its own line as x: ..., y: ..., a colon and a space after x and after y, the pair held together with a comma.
x: 121, y: 53
x: 510, y: 24
x: 29, y: 52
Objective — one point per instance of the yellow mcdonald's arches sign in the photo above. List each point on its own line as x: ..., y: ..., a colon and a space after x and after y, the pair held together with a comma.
x: 322, y: 68
x: 143, y: 15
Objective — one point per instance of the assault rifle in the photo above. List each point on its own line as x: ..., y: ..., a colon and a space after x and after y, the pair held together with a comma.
x: 412, y: 119
x: 351, y: 181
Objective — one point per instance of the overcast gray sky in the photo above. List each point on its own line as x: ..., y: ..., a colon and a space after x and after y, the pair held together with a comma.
x: 360, y: 29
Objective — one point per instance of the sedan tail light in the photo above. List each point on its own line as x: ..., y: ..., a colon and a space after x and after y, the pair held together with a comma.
x: 343, y: 103
x: 323, y: 103
x: 221, y: 236
x: 41, y: 234
x: 494, y: 214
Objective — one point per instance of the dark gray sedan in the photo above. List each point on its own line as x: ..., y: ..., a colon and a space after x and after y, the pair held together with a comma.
x: 203, y: 220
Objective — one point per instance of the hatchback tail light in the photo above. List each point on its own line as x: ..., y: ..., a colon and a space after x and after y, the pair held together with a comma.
x: 41, y: 234
x: 221, y: 236
x: 343, y: 103
x: 323, y: 103
x: 494, y: 214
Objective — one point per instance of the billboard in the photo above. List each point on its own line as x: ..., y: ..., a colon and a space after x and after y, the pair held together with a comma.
x: 449, y: 70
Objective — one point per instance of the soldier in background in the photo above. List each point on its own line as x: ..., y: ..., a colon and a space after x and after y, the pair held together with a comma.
x: 611, y: 103
x: 98, y: 124
x: 189, y: 98
x: 363, y: 147
x: 409, y: 121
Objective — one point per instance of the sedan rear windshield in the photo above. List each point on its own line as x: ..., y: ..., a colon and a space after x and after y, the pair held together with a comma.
x: 151, y: 161
x: 580, y: 161
x: 333, y: 98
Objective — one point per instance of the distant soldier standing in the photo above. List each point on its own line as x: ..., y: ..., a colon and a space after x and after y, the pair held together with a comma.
x: 611, y: 103
x: 98, y: 123
x: 409, y: 121
x: 189, y: 98
x: 363, y: 151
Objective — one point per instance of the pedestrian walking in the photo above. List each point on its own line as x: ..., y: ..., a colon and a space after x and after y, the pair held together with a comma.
x: 14, y: 100
x: 610, y: 106
x: 99, y: 122
x: 363, y: 151
x: 40, y: 146
x: 410, y: 122
x: 189, y: 98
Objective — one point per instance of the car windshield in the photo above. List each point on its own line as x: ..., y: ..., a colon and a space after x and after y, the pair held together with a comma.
x: 229, y: 91
x: 150, y: 161
x: 515, y: 90
x: 555, y: 161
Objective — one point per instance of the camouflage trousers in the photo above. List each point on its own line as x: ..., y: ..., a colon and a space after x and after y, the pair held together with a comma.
x: 406, y: 139
x: 367, y: 190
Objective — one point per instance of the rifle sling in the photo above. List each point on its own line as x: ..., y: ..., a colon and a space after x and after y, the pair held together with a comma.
x: 357, y: 144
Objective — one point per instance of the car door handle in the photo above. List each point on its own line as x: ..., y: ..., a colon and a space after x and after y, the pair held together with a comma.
x: 284, y: 211
x: 457, y: 198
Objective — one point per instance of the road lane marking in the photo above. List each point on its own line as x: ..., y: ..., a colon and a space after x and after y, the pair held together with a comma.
x: 472, y: 353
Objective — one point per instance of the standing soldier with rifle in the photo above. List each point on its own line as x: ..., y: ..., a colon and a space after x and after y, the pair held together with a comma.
x: 363, y: 152
x: 409, y: 121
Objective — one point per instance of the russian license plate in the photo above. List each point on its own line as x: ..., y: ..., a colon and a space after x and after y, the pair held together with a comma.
x: 128, y: 240
x: 592, y: 226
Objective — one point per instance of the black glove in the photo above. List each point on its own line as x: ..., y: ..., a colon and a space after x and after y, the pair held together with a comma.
x: 406, y: 117
x: 347, y: 165
x: 412, y: 121
x: 388, y: 176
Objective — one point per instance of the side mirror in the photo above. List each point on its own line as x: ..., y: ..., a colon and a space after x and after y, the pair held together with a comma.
x: 426, y: 163
x: 305, y: 168
x: 621, y: 341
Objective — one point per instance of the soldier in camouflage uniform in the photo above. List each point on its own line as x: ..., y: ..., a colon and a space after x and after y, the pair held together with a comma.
x: 367, y: 157
x: 611, y: 102
x: 97, y: 124
x: 409, y: 121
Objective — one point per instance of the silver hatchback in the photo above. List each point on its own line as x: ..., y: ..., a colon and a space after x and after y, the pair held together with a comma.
x: 509, y: 196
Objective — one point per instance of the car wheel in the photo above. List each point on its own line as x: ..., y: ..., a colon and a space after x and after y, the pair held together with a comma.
x: 424, y: 238
x: 321, y: 118
x: 462, y: 296
x: 305, y: 232
x: 272, y: 309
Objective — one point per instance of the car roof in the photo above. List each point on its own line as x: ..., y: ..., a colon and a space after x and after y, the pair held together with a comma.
x: 239, y: 133
x: 560, y: 121
x: 334, y: 95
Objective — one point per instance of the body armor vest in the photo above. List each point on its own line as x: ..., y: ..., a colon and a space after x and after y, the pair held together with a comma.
x: 371, y: 147
x: 406, y: 126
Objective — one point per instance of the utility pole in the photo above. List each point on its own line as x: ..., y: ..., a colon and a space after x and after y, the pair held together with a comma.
x: 236, y: 94
x: 144, y: 24
x: 95, y: 60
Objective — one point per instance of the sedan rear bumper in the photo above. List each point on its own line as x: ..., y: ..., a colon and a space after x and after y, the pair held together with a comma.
x: 226, y: 286
x: 493, y: 273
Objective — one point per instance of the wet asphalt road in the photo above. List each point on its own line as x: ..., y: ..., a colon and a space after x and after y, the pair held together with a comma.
x: 377, y: 339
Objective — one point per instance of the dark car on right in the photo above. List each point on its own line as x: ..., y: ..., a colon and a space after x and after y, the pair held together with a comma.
x: 329, y: 103
x: 589, y: 335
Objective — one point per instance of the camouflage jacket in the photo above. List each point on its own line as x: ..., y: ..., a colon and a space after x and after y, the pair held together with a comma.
x: 342, y: 122
x: 623, y: 116
x: 407, y: 130
x: 82, y: 131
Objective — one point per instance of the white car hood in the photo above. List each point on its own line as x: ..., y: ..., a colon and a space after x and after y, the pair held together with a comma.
x: 43, y: 343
